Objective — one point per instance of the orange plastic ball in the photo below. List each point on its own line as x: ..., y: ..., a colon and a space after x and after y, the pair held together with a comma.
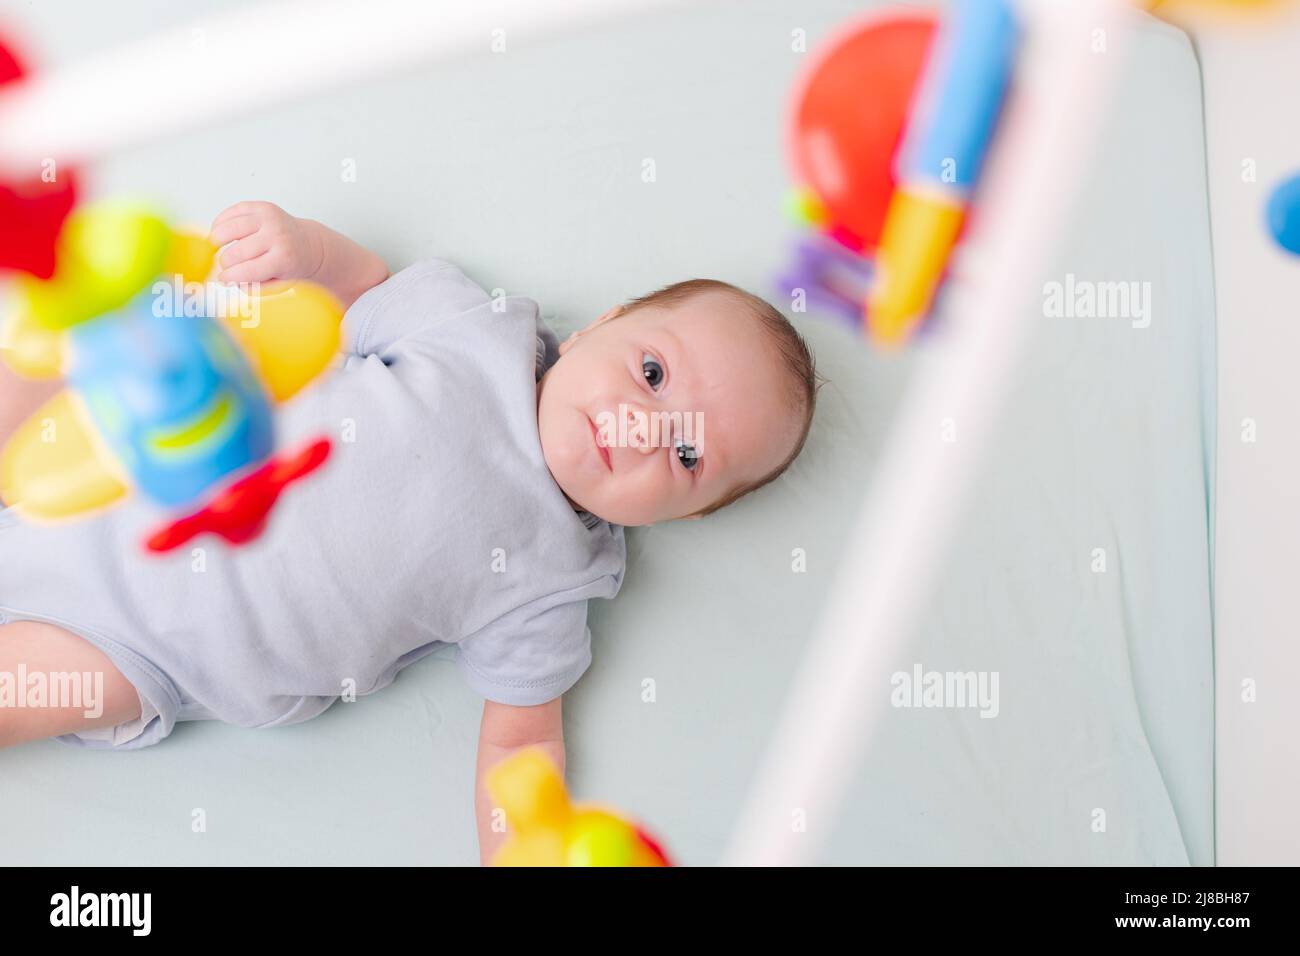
x: 850, y: 111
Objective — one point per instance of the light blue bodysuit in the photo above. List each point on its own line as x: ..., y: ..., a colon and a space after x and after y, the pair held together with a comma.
x: 434, y: 521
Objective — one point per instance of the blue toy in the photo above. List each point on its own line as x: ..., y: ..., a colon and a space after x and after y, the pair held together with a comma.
x: 176, y: 400
x: 1284, y: 214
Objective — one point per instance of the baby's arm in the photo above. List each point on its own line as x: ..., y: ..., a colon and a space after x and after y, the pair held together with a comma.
x: 267, y: 244
x: 504, y: 730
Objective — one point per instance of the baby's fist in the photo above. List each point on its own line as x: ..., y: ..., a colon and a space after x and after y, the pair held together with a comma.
x: 264, y: 243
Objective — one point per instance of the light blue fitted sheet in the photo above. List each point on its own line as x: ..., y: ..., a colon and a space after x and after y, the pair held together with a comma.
x: 526, y: 169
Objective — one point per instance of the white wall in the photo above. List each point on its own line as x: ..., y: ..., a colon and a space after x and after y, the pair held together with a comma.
x: 1251, y: 74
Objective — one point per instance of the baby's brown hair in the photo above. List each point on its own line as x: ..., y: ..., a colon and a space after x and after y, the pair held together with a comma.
x: 795, y: 357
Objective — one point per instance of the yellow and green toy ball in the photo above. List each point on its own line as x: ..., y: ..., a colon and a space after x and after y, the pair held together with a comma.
x: 106, y: 254
x: 548, y: 830
x: 104, y: 257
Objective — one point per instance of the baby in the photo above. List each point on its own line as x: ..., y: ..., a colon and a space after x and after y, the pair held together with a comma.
x: 481, y: 478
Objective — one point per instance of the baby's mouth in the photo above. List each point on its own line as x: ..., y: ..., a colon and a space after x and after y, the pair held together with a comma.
x: 600, y: 448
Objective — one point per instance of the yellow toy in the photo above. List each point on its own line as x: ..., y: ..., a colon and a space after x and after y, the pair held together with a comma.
x: 548, y: 830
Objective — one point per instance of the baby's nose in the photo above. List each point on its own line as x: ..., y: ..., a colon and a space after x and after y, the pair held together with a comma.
x: 638, y: 429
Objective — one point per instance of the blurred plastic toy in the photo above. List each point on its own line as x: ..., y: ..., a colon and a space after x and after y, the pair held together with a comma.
x: 1284, y: 214
x: 170, y: 390
x: 548, y: 830
x: 164, y: 395
x: 31, y: 211
x: 849, y: 115
x: 833, y: 278
x: 888, y: 137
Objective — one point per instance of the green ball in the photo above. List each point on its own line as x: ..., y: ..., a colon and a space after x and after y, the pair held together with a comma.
x: 601, y: 841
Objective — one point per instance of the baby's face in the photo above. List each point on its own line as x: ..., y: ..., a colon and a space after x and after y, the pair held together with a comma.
x: 697, y: 390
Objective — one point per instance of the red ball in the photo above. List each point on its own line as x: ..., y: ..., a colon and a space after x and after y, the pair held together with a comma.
x: 850, y: 112
x: 31, y: 210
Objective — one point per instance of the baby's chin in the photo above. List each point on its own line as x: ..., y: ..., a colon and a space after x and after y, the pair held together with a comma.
x: 565, y: 473
x: 587, y: 504
x: 608, y: 507
x: 578, y: 490
x: 568, y: 448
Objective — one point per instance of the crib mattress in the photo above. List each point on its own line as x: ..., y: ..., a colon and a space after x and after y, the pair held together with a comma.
x: 1080, y: 576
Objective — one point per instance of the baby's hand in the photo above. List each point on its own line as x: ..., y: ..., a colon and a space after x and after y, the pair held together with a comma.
x: 265, y: 243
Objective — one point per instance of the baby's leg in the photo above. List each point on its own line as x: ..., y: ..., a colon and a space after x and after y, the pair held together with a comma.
x: 40, y: 648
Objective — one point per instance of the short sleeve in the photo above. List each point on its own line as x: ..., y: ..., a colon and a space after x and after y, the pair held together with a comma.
x: 414, y: 299
x: 529, y: 656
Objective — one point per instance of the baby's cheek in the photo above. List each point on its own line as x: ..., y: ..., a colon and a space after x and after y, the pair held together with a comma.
x: 664, y: 491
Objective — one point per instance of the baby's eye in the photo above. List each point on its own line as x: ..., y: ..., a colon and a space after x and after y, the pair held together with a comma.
x: 687, y: 454
x: 653, y: 371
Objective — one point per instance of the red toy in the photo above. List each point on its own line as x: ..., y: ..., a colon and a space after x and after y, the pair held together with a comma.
x: 852, y: 110
x: 32, y: 210
x: 239, y: 513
